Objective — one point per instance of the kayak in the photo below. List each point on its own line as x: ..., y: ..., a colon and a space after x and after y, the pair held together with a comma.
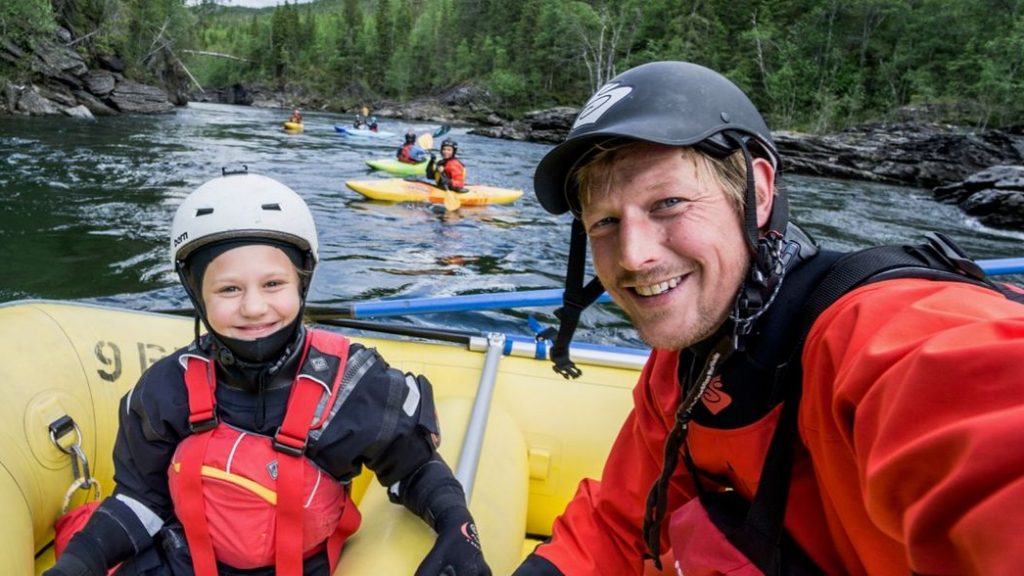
x: 293, y: 127
x: 77, y: 360
x: 393, y: 166
x: 402, y: 190
x: 362, y: 132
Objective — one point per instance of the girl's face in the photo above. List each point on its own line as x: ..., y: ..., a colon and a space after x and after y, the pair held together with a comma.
x: 447, y: 152
x: 251, y: 292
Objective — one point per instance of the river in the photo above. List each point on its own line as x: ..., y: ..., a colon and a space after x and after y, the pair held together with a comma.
x: 86, y: 207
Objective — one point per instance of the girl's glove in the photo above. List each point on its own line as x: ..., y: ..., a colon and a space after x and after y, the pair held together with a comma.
x: 456, y: 551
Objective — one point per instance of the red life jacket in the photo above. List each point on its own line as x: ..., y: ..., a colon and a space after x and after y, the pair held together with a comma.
x: 249, y: 500
x: 405, y: 154
x: 456, y: 170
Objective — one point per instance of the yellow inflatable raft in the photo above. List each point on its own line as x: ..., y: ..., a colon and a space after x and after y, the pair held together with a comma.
x: 540, y: 434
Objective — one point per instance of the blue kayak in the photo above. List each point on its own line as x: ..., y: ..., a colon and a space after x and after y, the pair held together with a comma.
x: 353, y: 132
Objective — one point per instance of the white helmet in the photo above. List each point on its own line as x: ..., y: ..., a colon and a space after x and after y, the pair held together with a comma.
x: 237, y: 206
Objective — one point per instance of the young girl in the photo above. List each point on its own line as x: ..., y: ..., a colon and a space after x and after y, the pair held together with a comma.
x: 233, y: 454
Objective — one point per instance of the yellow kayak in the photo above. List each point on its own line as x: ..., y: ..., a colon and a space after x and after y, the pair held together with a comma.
x: 293, y: 127
x: 78, y: 360
x: 401, y: 190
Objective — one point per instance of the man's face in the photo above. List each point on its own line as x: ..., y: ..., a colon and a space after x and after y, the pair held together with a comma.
x: 667, y: 242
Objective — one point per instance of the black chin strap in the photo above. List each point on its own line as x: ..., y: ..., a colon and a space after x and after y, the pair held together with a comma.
x: 575, y: 299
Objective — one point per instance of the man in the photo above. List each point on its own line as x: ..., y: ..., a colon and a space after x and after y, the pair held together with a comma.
x: 890, y: 442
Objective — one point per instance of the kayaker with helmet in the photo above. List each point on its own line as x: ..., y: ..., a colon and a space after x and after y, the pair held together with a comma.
x: 884, y: 437
x: 410, y: 152
x: 234, y: 454
x: 448, y: 173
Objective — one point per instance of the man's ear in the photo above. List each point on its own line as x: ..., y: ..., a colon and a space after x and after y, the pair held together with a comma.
x: 764, y: 185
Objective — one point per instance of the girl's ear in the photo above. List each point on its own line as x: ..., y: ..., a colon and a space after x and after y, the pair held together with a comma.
x: 764, y: 186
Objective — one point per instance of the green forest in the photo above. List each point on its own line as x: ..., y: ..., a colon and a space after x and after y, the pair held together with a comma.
x: 814, y: 65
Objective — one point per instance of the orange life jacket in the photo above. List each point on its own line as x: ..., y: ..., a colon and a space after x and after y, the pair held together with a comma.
x: 249, y: 500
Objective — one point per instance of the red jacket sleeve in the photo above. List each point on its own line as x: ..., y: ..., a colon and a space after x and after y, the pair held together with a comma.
x: 600, y: 531
x: 914, y: 416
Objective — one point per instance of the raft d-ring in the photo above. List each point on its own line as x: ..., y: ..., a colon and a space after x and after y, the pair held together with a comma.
x: 60, y: 428
x: 82, y: 478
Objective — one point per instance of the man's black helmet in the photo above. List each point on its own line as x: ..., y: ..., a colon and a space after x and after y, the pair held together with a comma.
x: 673, y: 103
x: 452, y: 143
x: 410, y: 137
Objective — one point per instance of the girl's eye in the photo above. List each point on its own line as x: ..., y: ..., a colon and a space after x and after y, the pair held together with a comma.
x: 227, y: 289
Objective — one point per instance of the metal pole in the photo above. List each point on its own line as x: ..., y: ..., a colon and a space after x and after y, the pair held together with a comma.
x: 469, y: 457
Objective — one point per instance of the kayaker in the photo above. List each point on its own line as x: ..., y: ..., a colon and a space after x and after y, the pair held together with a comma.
x: 373, y: 124
x: 234, y: 454
x: 449, y: 173
x: 296, y: 117
x: 358, y: 122
x: 410, y: 152
x: 899, y: 448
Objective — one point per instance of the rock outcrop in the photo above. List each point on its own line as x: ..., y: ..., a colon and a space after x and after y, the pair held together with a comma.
x: 60, y: 81
x: 921, y: 155
x: 995, y: 196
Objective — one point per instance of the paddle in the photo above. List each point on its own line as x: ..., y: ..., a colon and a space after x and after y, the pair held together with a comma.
x: 426, y: 141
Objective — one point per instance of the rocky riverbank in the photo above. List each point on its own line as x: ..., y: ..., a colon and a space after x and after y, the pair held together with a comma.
x: 61, y: 81
x: 980, y: 170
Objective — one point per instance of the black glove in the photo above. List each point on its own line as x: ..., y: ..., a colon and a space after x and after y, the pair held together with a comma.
x: 430, y: 166
x: 71, y: 565
x: 456, y: 551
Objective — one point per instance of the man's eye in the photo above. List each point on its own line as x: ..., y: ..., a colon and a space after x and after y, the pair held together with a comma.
x: 602, y: 223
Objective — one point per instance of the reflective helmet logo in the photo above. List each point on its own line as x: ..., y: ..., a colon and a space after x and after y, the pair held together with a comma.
x: 601, y: 102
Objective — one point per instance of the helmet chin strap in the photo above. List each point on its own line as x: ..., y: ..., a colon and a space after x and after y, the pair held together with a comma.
x: 771, y: 254
x: 575, y: 299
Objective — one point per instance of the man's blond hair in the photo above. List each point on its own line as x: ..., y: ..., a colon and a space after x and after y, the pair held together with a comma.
x: 729, y: 172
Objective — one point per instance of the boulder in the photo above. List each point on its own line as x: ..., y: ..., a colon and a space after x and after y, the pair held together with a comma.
x: 59, y: 63
x: 129, y: 96
x: 995, y: 196
x: 32, y: 103
x: 94, y: 104
x: 79, y: 111
x: 99, y: 82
